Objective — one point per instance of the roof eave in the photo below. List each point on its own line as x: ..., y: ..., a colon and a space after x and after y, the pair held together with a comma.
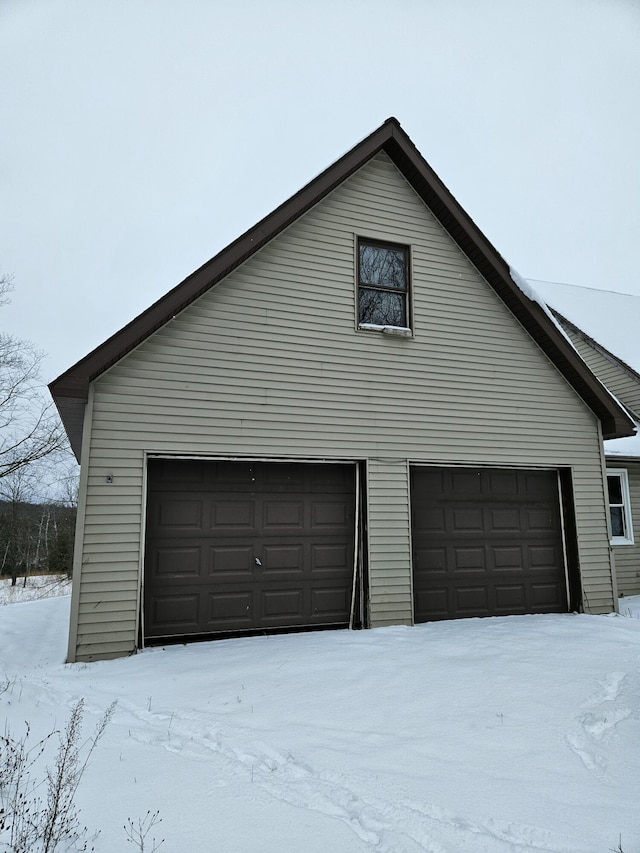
x: 75, y: 381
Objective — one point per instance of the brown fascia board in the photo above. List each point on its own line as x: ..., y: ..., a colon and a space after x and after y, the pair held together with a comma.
x: 75, y: 381
x: 611, y: 458
x: 392, y: 139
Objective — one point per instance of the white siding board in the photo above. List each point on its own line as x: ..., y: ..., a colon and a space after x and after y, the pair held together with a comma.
x: 103, y: 650
x: 116, y: 601
x: 105, y: 587
x: 268, y: 363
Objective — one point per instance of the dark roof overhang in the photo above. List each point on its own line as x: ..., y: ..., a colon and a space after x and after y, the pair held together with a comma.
x: 72, y: 387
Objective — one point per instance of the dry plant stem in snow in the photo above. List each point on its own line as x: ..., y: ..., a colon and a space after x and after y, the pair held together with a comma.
x: 19, y: 807
x: 27, y: 821
x: 137, y: 832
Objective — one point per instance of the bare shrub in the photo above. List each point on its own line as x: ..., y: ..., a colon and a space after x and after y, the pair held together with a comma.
x: 29, y: 821
x: 137, y: 832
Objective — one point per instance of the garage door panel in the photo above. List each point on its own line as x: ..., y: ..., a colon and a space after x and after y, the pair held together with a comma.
x: 499, y: 549
x: 428, y: 517
x: 540, y: 520
x: 510, y: 599
x: 469, y: 559
x: 278, y: 514
x: 538, y: 485
x: 545, y: 594
x: 259, y: 545
x: 507, y: 558
x: 282, y: 604
x: 501, y: 483
x: 327, y: 557
x: 278, y: 559
x: 429, y: 560
x: 434, y: 601
x: 182, y: 562
x: 180, y: 513
x: 227, y: 476
x: 177, y: 471
x: 285, y: 477
x: 229, y: 607
x: 176, y: 611
x: 472, y: 600
x: 325, y: 514
x: 328, y: 604
x: 232, y: 514
x: 504, y: 520
x: 330, y: 480
x: 460, y: 481
x: 544, y: 557
x: 227, y: 560
x: 465, y: 520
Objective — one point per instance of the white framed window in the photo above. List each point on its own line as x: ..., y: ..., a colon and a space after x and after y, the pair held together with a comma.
x: 619, y: 506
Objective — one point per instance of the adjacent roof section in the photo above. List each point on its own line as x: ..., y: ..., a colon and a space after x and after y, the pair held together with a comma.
x: 609, y: 318
x: 70, y: 390
x: 609, y: 323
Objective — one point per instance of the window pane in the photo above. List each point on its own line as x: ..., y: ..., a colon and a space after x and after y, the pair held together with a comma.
x: 615, y: 489
x: 382, y: 308
x: 382, y: 266
x: 617, y: 521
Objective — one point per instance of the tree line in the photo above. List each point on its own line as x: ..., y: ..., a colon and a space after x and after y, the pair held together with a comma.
x: 35, y: 539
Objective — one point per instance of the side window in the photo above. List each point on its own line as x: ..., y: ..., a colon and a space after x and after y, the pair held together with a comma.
x: 383, y: 285
x: 619, y: 507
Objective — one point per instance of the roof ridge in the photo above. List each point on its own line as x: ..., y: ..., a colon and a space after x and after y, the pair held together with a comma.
x: 582, y: 287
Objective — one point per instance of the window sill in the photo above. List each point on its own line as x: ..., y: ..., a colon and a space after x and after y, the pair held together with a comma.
x: 398, y: 331
x: 621, y: 540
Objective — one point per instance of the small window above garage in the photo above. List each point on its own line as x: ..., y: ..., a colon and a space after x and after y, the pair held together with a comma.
x: 383, y: 285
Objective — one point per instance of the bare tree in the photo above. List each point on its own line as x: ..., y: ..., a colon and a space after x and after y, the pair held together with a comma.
x: 16, y: 526
x: 30, y: 428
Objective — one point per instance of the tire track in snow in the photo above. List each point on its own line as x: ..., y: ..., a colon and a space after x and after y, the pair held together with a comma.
x: 388, y: 827
x: 384, y: 826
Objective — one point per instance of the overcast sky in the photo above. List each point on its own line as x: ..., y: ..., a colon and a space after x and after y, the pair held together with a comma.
x: 139, y: 137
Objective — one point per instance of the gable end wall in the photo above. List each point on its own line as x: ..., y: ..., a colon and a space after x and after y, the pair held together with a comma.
x: 268, y: 364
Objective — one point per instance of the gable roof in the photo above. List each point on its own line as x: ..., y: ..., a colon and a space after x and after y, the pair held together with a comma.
x: 70, y: 389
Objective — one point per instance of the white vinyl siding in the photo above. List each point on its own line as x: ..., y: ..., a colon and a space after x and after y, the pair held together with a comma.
x: 268, y: 364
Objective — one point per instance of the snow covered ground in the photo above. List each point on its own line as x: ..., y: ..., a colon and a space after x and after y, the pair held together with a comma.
x: 474, y: 736
x: 36, y: 587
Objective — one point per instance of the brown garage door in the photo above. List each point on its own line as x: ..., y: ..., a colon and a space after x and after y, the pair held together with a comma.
x: 244, y: 546
x: 486, y: 542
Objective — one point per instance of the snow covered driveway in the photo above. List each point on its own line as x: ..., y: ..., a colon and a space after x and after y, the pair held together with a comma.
x: 486, y: 736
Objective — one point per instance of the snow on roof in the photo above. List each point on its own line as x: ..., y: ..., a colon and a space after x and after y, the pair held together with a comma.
x: 531, y: 293
x: 610, y: 318
x: 624, y: 447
